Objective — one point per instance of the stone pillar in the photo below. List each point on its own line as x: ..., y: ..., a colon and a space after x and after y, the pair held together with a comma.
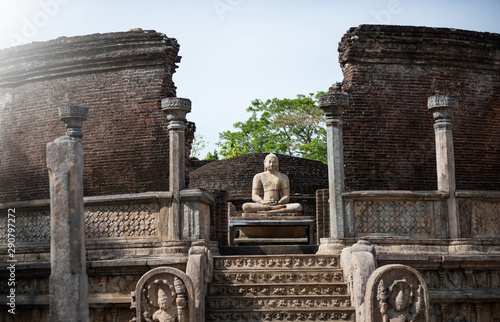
x: 176, y: 109
x: 333, y: 105
x: 68, y: 281
x: 442, y: 107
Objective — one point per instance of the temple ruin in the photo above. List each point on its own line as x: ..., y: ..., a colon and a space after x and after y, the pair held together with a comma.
x: 402, y: 224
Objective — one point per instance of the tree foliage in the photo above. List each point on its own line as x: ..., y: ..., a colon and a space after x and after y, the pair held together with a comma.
x: 288, y: 126
x: 198, y: 145
x: 212, y: 155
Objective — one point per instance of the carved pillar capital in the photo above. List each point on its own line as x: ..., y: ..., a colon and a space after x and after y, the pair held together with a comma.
x: 73, y: 116
x: 176, y: 109
x: 442, y: 107
x: 334, y: 105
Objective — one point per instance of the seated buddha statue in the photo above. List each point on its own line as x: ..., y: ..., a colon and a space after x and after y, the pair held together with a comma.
x: 276, y: 188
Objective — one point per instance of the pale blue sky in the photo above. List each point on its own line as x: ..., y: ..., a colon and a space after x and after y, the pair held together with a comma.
x: 234, y: 51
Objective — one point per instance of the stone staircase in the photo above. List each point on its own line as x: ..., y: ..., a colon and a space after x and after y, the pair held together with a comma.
x: 278, y: 288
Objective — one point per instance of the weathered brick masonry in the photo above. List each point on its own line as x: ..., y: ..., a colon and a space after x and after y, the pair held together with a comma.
x: 121, y: 77
x: 389, y: 71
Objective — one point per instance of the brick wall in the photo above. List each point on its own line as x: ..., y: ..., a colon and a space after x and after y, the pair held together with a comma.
x: 195, y: 163
x: 389, y: 71
x: 121, y: 77
x: 322, y: 213
x: 219, y: 219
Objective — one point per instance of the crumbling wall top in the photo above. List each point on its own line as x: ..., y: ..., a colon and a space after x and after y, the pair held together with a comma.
x: 66, y: 56
x: 420, y: 45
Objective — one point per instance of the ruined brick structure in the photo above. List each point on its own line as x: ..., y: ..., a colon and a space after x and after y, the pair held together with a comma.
x: 121, y: 77
x: 389, y: 71
x: 141, y: 228
x: 219, y: 218
x: 390, y: 151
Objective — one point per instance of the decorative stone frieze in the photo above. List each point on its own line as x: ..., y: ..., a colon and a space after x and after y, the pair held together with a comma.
x: 413, y: 218
x: 32, y: 226
x: 126, y: 220
x: 279, y: 277
x: 282, y: 316
x: 265, y: 262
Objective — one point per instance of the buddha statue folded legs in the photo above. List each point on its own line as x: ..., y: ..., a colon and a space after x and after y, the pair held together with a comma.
x: 276, y: 188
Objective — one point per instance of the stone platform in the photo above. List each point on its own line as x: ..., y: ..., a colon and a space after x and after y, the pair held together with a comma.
x: 268, y: 250
x: 268, y: 228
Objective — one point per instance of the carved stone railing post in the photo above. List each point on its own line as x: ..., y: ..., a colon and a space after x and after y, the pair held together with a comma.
x: 200, y: 269
x: 176, y: 109
x: 68, y: 278
x: 333, y: 105
x: 442, y: 107
x: 358, y: 263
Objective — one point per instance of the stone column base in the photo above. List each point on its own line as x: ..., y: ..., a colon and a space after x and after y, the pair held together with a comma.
x: 330, y: 246
x: 463, y: 246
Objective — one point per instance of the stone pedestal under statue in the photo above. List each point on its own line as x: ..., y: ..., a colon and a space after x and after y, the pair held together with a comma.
x: 271, y: 228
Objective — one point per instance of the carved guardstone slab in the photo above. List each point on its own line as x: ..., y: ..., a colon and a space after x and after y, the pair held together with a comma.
x: 396, y: 293
x: 164, y: 294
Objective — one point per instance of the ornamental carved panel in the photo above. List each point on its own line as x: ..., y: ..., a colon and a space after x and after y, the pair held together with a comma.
x: 396, y: 293
x: 485, y: 218
x: 164, y: 294
x: 413, y: 218
x: 31, y: 227
x: 126, y: 220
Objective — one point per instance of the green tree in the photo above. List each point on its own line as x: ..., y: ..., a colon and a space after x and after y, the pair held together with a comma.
x: 212, y: 155
x: 198, y: 145
x: 288, y: 126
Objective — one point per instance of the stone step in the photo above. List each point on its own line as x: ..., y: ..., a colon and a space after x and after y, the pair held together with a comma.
x: 278, y: 276
x: 285, y: 314
x: 271, y: 303
x: 263, y: 262
x: 271, y: 241
x: 281, y: 289
x: 268, y: 250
